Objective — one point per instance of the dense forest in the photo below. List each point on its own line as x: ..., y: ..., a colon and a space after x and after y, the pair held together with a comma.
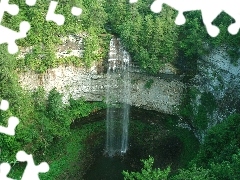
x: 152, y: 40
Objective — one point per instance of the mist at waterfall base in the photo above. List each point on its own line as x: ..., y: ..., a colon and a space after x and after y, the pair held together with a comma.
x: 117, y: 99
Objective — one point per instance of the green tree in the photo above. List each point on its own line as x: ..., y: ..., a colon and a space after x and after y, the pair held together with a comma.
x: 58, y: 123
x: 147, y: 172
x: 150, y: 38
x: 194, y: 173
x: 228, y: 170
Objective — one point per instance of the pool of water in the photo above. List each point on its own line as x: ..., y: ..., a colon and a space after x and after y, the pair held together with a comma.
x: 149, y: 136
x: 107, y: 168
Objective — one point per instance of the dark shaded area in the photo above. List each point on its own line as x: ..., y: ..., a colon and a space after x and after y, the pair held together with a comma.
x: 136, y: 113
x: 158, y: 142
x: 107, y: 168
x: 152, y: 137
x: 166, y: 151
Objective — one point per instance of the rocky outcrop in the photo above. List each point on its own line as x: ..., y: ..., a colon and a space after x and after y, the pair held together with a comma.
x: 218, y: 76
x: 221, y: 78
x: 162, y: 94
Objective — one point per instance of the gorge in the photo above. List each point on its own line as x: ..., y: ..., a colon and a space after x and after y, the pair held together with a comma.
x: 90, y: 83
x: 162, y: 93
x: 122, y: 86
x: 171, y: 112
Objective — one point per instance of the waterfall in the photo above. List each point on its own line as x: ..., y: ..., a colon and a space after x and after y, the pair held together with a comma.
x: 117, y: 99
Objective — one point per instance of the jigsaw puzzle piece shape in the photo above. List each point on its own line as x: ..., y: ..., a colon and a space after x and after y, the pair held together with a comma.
x: 208, y: 16
x: 12, y: 9
x: 234, y: 12
x: 4, y: 170
x: 208, y: 13
x: 133, y: 1
x: 31, y: 2
x: 31, y: 171
x: 4, y: 105
x: 9, y: 36
x: 156, y: 7
x: 51, y: 16
x: 234, y: 28
x: 76, y: 11
x: 12, y: 124
x: 180, y: 6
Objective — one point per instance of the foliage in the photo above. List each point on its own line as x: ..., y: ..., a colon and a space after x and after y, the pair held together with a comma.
x: 72, y: 154
x: 58, y: 120
x: 189, y: 142
x: 194, y: 173
x: 43, y: 119
x: 221, y: 142
x: 44, y: 37
x: 80, y: 108
x: 68, y: 156
x: 225, y: 39
x: 195, y: 43
x: 218, y: 158
x: 227, y: 169
x: 219, y: 154
x: 147, y: 172
x: 197, y: 108
x: 91, y: 47
x: 50, y: 125
x: 149, y: 84
x: 149, y: 38
x: 152, y: 40
x: 55, y: 117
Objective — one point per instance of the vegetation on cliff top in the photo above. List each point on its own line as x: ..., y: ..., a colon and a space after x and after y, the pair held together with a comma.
x: 152, y: 39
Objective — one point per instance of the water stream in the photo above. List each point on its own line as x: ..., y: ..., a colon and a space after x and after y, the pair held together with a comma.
x: 117, y: 99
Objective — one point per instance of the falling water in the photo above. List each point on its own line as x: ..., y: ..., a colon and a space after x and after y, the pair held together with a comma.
x: 117, y: 99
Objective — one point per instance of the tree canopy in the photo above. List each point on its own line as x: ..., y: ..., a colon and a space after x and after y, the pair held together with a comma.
x: 151, y: 39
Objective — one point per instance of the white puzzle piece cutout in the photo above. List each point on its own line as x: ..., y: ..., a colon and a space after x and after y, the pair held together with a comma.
x: 76, y: 11
x: 133, y: 1
x: 4, y: 105
x: 31, y: 171
x: 12, y: 121
x: 12, y: 124
x: 7, y: 35
x: 51, y: 16
x: 4, y: 170
x: 58, y: 18
x: 210, y: 9
x: 31, y: 2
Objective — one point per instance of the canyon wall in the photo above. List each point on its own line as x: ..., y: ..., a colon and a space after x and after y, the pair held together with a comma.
x: 216, y: 75
x: 162, y: 94
x: 220, y: 78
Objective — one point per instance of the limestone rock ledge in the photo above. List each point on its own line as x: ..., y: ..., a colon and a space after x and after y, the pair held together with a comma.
x: 163, y: 95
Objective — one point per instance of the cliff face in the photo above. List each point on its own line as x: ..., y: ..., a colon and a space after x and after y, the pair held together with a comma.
x: 217, y: 77
x: 162, y: 95
x: 223, y: 80
x: 220, y: 78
